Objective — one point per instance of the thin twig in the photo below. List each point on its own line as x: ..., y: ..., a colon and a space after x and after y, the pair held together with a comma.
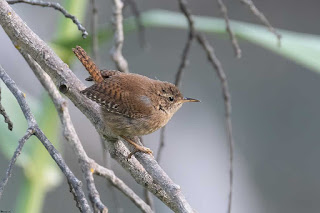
x: 227, y: 105
x: 94, y: 32
x: 161, y: 144
x: 255, y: 11
x: 55, y: 6
x: 5, y: 115
x: 225, y: 91
x: 13, y: 160
x: 118, y: 183
x: 136, y: 12
x: 116, y: 51
x: 147, y: 194
x: 233, y: 39
x: 93, y: 192
x: 149, y: 199
x: 75, y: 183
x: 181, y: 68
x: 107, y: 164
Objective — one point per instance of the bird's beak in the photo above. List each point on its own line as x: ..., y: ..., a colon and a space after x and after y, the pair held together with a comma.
x: 184, y: 100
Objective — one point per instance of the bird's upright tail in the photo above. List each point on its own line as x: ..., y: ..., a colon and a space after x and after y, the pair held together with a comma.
x: 88, y: 63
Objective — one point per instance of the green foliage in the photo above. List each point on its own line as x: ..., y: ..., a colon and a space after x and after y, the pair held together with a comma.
x: 301, y: 48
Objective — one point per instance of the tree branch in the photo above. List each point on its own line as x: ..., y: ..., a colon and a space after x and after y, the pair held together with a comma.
x: 255, y: 11
x: 233, y: 39
x: 55, y: 6
x: 5, y: 115
x: 116, y: 51
x: 224, y: 86
x: 13, y: 160
x: 94, y: 31
x: 32, y: 124
x: 136, y: 13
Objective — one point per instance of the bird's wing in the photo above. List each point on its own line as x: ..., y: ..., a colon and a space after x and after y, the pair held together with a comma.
x: 106, y: 74
x: 116, y: 97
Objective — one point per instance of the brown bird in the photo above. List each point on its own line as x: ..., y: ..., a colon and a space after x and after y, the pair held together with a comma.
x: 132, y: 104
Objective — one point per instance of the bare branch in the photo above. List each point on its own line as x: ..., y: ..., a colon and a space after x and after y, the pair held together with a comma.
x: 161, y: 144
x: 135, y: 11
x: 119, y: 184
x: 182, y: 66
x: 173, y: 190
x: 13, y: 160
x: 116, y: 51
x: 107, y: 164
x: 255, y: 11
x: 233, y: 39
x: 5, y: 115
x: 149, y: 199
x: 225, y: 91
x: 55, y: 6
x: 94, y: 32
x: 227, y: 105
x: 32, y: 124
x: 23, y: 38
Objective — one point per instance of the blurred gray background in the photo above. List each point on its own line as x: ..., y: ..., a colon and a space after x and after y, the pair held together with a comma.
x: 275, y: 114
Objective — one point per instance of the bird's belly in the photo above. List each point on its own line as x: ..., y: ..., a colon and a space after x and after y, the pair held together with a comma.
x: 124, y: 126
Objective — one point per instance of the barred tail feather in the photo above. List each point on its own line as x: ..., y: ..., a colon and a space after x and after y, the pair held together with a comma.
x: 88, y: 63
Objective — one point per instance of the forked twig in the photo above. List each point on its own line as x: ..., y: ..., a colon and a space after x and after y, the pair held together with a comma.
x: 233, y: 39
x: 13, y: 160
x: 5, y: 115
x: 255, y: 11
x: 116, y: 51
x: 225, y: 91
x: 55, y: 6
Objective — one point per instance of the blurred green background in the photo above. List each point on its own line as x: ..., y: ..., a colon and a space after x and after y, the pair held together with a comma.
x: 274, y: 100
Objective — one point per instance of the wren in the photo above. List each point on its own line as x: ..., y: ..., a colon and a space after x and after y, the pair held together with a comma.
x: 132, y: 104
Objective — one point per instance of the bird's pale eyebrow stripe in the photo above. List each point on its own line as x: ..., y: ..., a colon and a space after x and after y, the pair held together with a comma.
x: 145, y: 99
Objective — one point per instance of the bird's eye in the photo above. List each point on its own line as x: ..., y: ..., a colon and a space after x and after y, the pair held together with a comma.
x: 171, y: 99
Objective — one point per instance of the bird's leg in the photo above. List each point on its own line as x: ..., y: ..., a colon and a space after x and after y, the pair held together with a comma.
x: 137, y: 147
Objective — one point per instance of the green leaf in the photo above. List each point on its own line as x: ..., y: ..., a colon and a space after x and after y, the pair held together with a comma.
x: 301, y: 48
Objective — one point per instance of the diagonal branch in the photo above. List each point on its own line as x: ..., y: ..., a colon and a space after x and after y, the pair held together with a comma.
x: 116, y: 51
x: 55, y: 6
x: 32, y: 124
x: 233, y: 39
x: 225, y: 91
x: 178, y: 77
x: 94, y: 31
x: 5, y: 115
x: 13, y: 160
x: 227, y: 105
x: 137, y: 17
x: 255, y: 11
